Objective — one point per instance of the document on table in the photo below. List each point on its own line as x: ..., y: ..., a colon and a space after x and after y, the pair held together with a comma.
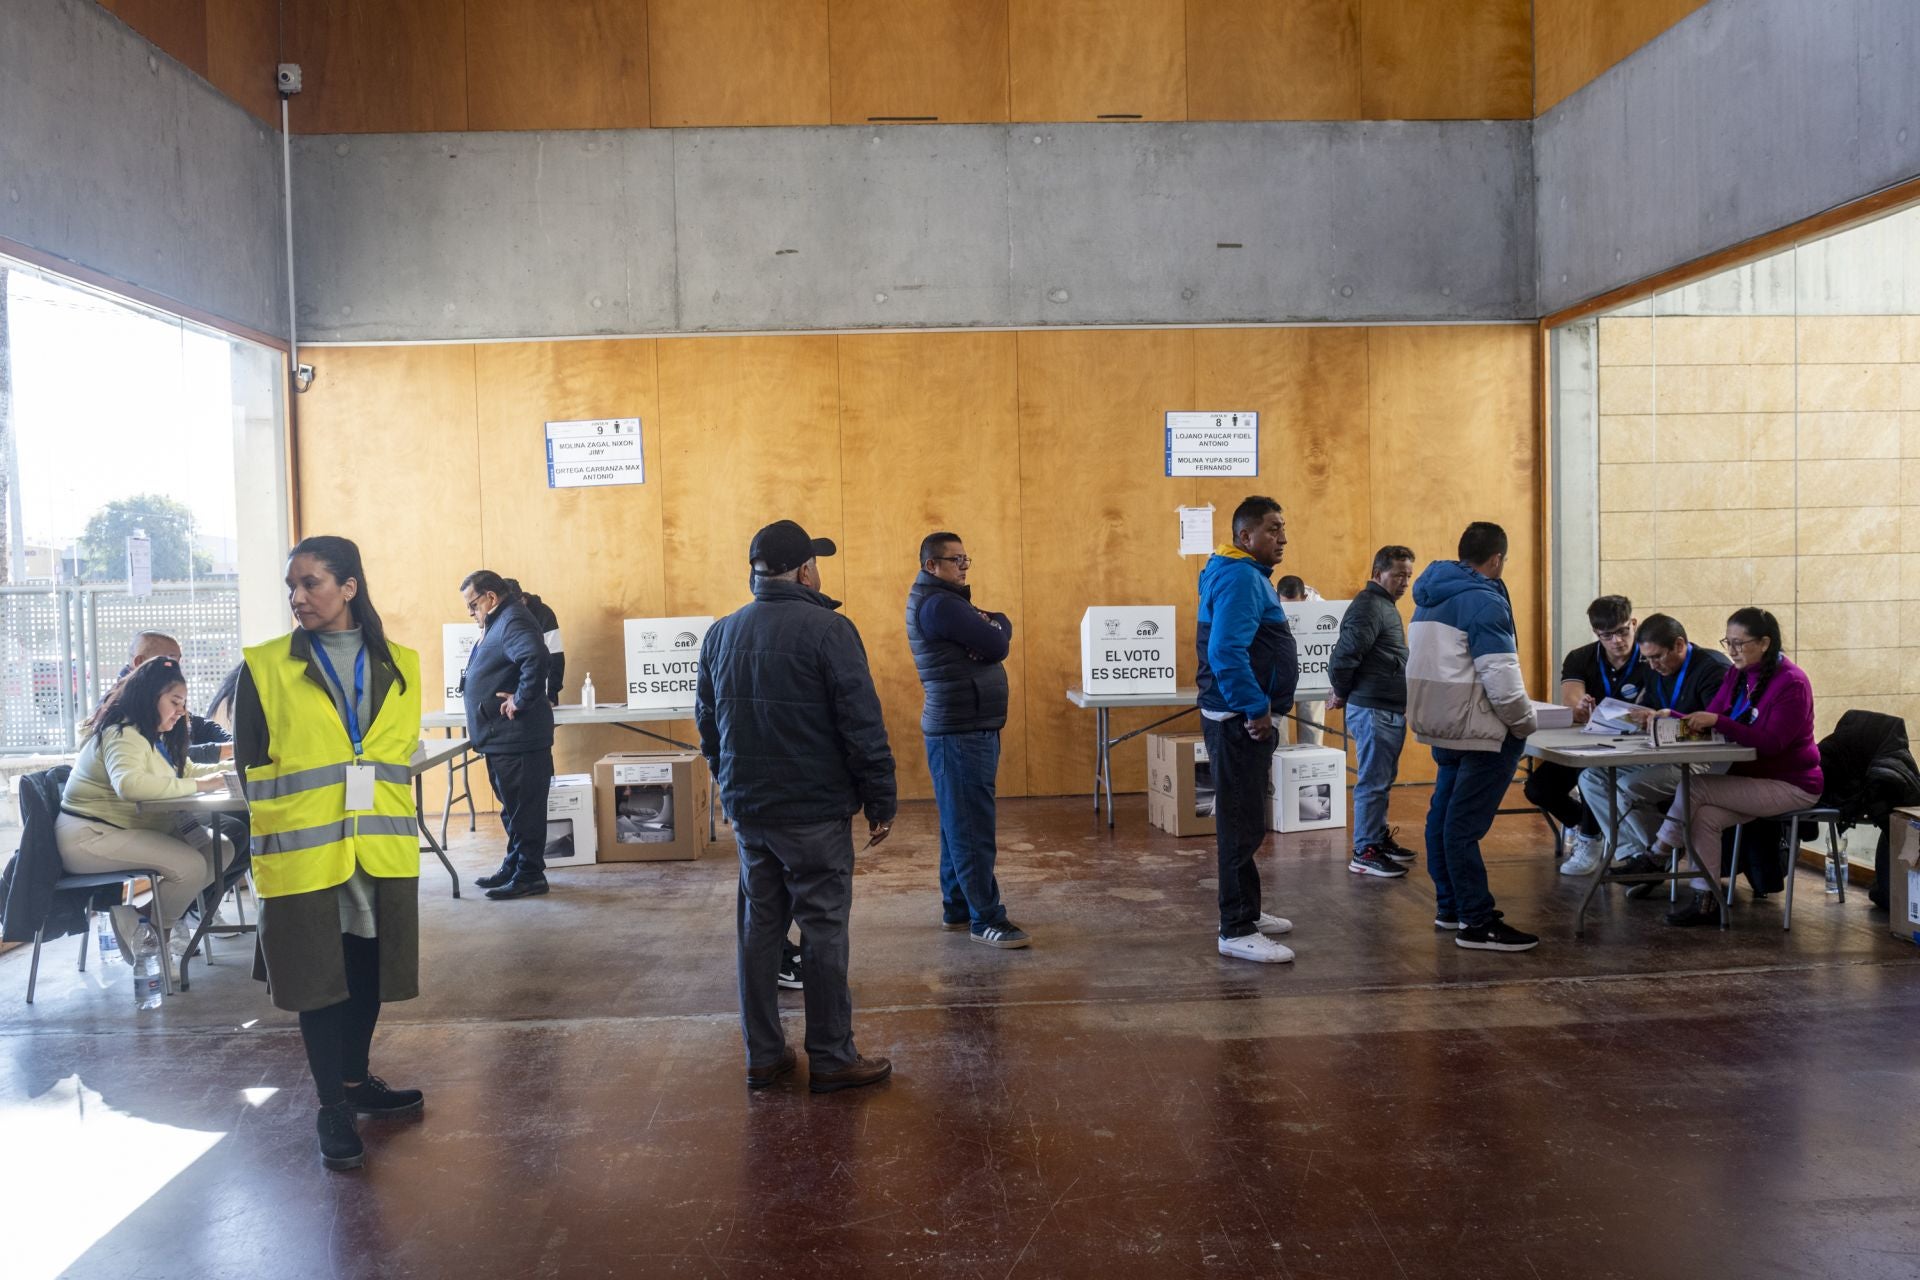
x: 1611, y: 716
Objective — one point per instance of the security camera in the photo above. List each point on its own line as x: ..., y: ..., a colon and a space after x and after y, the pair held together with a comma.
x: 288, y: 78
x: 302, y: 377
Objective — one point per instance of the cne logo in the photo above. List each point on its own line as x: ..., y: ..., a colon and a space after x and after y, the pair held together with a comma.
x: 1328, y: 623
x: 686, y: 640
x: 1148, y: 629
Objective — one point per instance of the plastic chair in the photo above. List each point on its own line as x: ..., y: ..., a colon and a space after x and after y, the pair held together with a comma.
x: 1789, y: 843
x: 124, y: 878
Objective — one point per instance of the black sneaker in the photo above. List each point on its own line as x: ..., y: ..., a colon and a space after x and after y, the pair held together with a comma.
x: 503, y: 876
x: 955, y: 926
x: 519, y: 889
x: 1640, y: 865
x: 1006, y: 935
x: 1447, y: 924
x: 789, y: 975
x: 1495, y: 935
x: 1373, y: 861
x: 375, y: 1097
x: 1395, y: 850
x: 340, y: 1145
x: 1703, y: 910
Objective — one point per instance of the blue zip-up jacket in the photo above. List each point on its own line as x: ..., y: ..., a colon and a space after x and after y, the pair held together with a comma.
x: 1248, y: 661
x: 1464, y: 688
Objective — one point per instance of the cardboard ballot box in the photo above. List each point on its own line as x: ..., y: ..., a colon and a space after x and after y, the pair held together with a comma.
x: 650, y: 807
x: 572, y: 831
x: 1179, y: 784
x: 1903, y: 875
x: 1309, y: 789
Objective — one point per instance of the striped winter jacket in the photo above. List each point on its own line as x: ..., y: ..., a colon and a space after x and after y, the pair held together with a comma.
x: 1464, y: 688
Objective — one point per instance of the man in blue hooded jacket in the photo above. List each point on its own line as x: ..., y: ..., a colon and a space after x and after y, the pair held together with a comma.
x: 1248, y: 670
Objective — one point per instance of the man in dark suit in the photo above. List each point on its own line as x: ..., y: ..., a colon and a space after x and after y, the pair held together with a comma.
x: 510, y: 722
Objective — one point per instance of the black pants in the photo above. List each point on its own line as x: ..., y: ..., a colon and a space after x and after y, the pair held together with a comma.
x: 1242, y: 773
x: 1556, y: 789
x: 339, y: 1037
x: 520, y: 779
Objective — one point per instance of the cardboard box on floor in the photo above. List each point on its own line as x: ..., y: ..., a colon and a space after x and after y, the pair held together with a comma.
x: 1309, y: 789
x: 572, y: 826
x: 650, y: 807
x: 1903, y: 875
x: 1179, y: 784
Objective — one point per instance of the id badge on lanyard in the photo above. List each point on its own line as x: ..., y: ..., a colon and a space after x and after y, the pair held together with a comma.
x: 359, y: 787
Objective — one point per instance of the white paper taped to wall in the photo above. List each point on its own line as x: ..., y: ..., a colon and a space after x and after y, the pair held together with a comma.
x: 1196, y: 530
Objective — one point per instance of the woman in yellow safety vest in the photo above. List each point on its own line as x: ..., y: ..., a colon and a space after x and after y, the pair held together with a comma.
x: 326, y: 722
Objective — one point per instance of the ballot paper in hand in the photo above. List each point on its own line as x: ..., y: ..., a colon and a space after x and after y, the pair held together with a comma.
x: 1612, y: 716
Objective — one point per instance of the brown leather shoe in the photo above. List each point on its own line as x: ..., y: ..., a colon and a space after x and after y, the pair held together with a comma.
x: 761, y: 1077
x: 863, y: 1071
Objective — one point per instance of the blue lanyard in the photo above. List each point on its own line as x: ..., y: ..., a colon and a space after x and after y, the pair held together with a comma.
x: 1606, y: 681
x: 1679, y: 683
x: 1742, y: 700
x: 359, y: 686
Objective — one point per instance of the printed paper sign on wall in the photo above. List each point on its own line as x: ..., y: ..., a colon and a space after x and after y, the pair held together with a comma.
x: 1316, y: 627
x: 596, y: 452
x: 456, y: 646
x: 1213, y: 444
x: 1128, y: 649
x: 663, y: 660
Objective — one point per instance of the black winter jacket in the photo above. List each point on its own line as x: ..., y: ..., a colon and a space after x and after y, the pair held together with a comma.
x: 964, y: 693
x: 510, y: 658
x: 1369, y: 663
x: 1868, y: 767
x: 27, y: 898
x: 789, y: 720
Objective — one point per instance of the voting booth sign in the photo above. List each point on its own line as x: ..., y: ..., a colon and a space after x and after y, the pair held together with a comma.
x: 1316, y: 628
x: 663, y: 660
x: 456, y: 646
x: 1128, y: 649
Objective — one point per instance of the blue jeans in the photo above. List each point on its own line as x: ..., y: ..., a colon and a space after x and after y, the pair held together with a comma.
x: 1466, y: 792
x: 965, y: 767
x: 1377, y: 739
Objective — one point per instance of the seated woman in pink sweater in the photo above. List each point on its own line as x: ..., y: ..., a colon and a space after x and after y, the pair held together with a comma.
x: 1765, y: 703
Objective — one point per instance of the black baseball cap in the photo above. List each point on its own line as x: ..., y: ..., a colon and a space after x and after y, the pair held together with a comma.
x: 784, y: 546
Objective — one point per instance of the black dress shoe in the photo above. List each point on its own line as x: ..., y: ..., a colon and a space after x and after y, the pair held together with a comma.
x: 1640, y: 865
x: 503, y: 876
x: 762, y: 1077
x: 864, y: 1071
x: 375, y: 1097
x: 519, y: 889
x: 340, y: 1145
x: 1703, y: 910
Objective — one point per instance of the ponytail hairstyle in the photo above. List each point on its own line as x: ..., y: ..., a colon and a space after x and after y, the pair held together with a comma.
x: 342, y: 559
x: 135, y: 701
x: 1759, y: 624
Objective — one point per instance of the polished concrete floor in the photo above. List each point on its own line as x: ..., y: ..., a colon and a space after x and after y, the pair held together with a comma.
x: 1118, y: 1101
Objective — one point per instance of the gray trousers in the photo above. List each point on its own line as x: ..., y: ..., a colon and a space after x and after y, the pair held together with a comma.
x: 1645, y: 791
x: 801, y: 872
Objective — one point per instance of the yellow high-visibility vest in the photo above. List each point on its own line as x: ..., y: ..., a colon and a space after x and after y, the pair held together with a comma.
x: 303, y: 837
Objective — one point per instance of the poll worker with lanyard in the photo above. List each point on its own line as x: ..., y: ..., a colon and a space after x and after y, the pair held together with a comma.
x: 1681, y: 678
x: 1764, y: 702
x: 510, y: 722
x: 326, y: 721
x: 1610, y: 667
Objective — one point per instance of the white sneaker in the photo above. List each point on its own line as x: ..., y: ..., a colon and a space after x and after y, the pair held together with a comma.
x: 1273, y: 924
x: 1584, y: 858
x: 1257, y: 947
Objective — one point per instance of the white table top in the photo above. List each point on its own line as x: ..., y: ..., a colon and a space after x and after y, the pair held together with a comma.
x: 1583, y: 750
x: 573, y: 713
x: 1186, y: 695
x: 430, y: 755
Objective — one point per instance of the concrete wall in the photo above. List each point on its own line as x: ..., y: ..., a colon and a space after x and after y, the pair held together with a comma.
x: 526, y: 235
x: 1747, y: 116
x: 115, y: 157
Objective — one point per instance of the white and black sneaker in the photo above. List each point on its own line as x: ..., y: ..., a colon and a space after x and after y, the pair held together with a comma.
x: 1373, y: 861
x: 1452, y: 926
x: 789, y: 975
x: 1006, y: 935
x: 1394, y: 849
x: 1495, y: 935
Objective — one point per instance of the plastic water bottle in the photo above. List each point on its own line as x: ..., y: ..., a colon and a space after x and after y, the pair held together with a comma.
x: 146, y: 967
x: 586, y: 691
x: 106, y: 942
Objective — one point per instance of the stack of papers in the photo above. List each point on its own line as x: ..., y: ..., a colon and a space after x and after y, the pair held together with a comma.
x: 1611, y: 716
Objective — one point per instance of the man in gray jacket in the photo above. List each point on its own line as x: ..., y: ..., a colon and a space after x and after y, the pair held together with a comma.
x: 791, y: 728
x: 1368, y: 671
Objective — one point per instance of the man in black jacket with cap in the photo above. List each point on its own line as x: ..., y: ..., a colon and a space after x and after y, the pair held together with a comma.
x: 791, y: 728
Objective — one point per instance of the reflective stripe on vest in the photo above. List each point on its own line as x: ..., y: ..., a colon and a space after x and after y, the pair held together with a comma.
x: 303, y: 837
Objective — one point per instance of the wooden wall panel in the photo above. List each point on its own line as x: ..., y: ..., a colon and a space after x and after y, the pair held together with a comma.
x: 941, y: 58
x: 751, y: 434
x: 1258, y: 60
x: 399, y: 66
x: 1088, y: 59
x: 1097, y: 524
x: 557, y: 64
x: 1575, y: 40
x: 243, y: 46
x: 388, y: 456
x: 177, y: 27
x: 1446, y: 59
x: 593, y: 554
x: 741, y: 62
x: 929, y: 430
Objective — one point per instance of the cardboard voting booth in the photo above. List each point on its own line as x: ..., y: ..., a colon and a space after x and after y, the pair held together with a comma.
x: 1316, y: 629
x: 1128, y: 649
x: 456, y: 646
x: 572, y: 834
x: 1179, y: 784
x: 1309, y: 789
x: 1903, y: 875
x: 650, y: 807
x: 663, y: 660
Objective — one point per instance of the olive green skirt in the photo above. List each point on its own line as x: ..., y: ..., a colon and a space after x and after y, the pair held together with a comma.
x: 298, y: 953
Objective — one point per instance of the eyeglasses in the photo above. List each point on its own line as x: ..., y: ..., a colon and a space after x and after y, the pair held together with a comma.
x: 1734, y: 646
x: 962, y: 561
x: 1617, y: 633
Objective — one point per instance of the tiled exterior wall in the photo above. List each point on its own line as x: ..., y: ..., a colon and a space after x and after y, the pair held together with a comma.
x: 1771, y: 460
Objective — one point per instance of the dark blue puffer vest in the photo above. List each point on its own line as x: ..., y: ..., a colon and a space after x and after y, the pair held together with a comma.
x: 963, y: 696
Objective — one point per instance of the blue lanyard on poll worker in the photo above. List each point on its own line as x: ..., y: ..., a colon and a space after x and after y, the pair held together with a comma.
x: 1606, y: 681
x: 1679, y: 682
x: 359, y: 779
x: 1742, y: 702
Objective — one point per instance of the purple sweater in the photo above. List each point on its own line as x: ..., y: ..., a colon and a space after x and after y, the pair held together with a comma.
x: 1782, y: 728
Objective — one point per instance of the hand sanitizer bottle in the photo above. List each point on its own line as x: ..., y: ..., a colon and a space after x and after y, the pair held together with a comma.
x: 586, y: 691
